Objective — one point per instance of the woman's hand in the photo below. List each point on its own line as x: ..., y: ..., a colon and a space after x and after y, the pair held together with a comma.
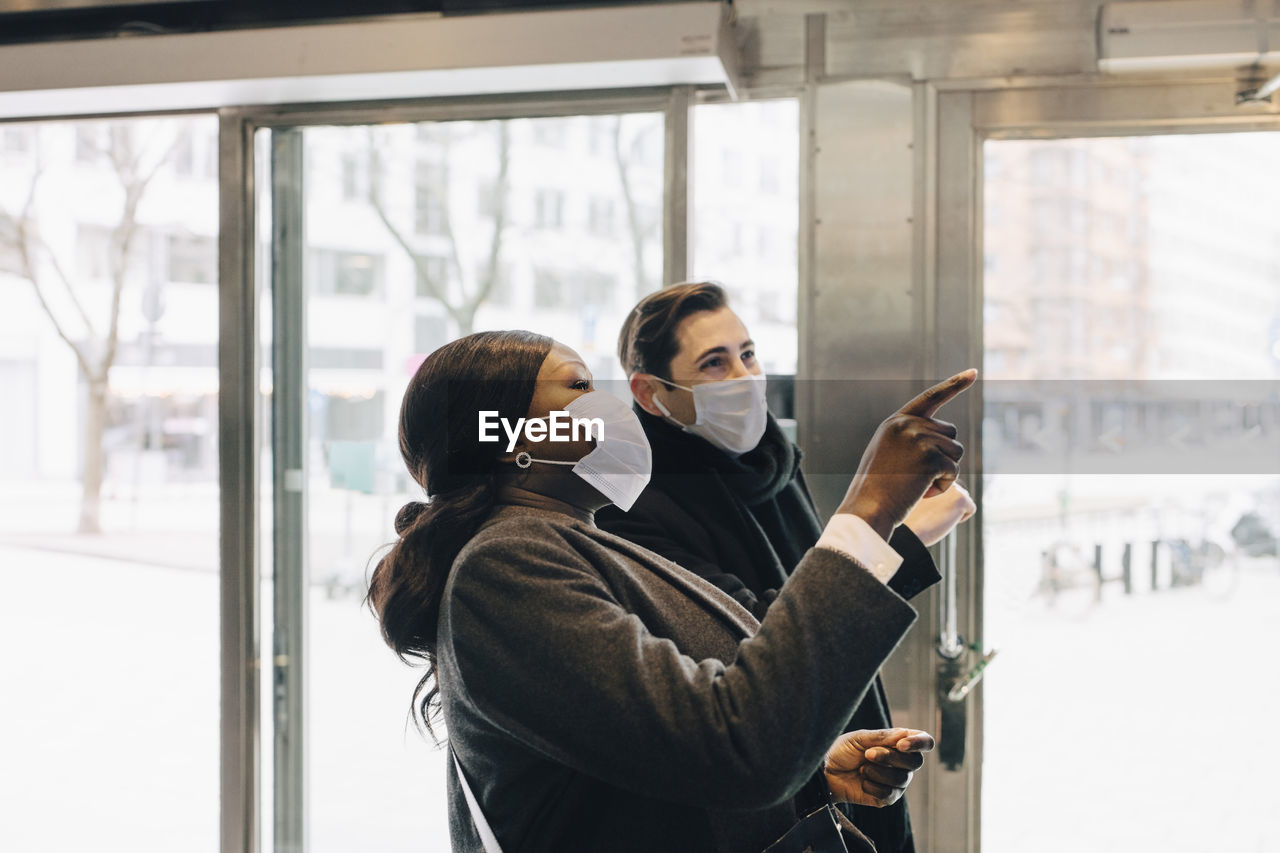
x: 912, y: 455
x: 874, y: 767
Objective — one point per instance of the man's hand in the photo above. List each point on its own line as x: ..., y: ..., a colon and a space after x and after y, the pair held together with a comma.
x: 874, y: 767
x: 933, y: 518
x: 912, y: 455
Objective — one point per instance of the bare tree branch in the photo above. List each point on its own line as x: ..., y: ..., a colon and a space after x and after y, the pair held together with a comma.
x: 375, y: 201
x: 29, y: 273
x: 499, y: 220
x: 127, y: 160
x: 67, y: 285
x: 135, y: 186
x: 633, y: 213
x: 22, y: 242
x: 463, y: 309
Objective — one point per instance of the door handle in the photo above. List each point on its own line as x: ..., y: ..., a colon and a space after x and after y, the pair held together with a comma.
x: 962, y: 686
x: 955, y: 680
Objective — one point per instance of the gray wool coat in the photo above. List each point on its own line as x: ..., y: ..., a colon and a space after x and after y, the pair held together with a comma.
x: 601, y: 698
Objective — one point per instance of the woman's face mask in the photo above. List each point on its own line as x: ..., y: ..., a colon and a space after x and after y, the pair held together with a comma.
x: 621, y: 463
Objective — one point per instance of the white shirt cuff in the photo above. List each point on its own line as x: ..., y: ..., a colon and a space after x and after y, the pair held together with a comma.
x: 853, y: 537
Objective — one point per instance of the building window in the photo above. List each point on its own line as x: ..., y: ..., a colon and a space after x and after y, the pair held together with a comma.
x: 500, y: 288
x: 769, y: 180
x: 731, y: 167
x: 15, y: 140
x: 89, y: 144
x: 183, y: 155
x: 429, y: 333
x: 600, y: 217
x: 346, y: 273
x: 596, y: 288
x: 93, y: 252
x: 551, y: 132
x: 193, y: 258
x: 430, y: 211
x: 1048, y: 166
x: 601, y: 136
x: 488, y: 199
x: 431, y: 274
x: 548, y: 289
x: 429, y: 132
x: 355, y: 177
x: 548, y: 208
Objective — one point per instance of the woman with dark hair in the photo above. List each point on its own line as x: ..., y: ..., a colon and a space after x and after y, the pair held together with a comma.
x: 596, y: 695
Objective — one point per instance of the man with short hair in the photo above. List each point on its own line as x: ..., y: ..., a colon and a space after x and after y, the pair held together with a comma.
x: 727, y: 499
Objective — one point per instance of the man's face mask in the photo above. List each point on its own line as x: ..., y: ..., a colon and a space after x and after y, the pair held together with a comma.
x: 730, y: 413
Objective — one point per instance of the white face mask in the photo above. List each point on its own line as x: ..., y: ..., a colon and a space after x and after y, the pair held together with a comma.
x: 621, y: 463
x: 730, y: 413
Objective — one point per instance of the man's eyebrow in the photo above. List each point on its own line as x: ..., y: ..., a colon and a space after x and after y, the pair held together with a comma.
x: 710, y: 351
x: 747, y: 344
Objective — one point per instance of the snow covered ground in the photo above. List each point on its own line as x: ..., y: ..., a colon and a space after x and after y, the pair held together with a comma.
x: 109, y: 739
x: 1145, y: 722
x: 1141, y: 723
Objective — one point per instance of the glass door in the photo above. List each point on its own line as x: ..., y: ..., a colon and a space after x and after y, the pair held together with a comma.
x: 385, y: 234
x: 1110, y: 255
x: 109, y: 487
x: 387, y: 241
x: 1131, y: 492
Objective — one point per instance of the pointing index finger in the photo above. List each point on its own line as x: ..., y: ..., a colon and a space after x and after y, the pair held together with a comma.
x: 928, y: 403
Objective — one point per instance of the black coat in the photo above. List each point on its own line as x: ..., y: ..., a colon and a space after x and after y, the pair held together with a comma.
x: 601, y: 698
x: 743, y: 524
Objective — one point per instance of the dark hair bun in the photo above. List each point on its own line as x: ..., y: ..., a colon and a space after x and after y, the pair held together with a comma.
x: 408, y: 514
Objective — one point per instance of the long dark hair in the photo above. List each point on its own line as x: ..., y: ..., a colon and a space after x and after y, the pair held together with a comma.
x: 439, y: 440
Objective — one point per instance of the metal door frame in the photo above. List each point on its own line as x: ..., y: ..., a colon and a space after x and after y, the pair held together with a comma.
x: 242, y: 412
x: 954, y: 123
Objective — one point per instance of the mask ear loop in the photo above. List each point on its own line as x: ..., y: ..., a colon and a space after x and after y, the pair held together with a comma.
x: 524, y: 460
x: 666, y: 413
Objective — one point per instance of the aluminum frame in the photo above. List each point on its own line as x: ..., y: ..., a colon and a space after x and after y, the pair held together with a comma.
x: 239, y: 431
x: 954, y: 124
x: 290, y: 609
x: 241, y: 417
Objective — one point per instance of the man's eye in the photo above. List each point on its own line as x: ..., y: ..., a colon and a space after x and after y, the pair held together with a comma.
x: 712, y: 362
x: 749, y: 355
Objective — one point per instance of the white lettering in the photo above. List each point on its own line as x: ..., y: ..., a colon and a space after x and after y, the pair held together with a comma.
x: 488, y: 421
x: 535, y: 430
x: 513, y: 434
x: 558, y: 426
x: 560, y: 421
x: 594, y: 428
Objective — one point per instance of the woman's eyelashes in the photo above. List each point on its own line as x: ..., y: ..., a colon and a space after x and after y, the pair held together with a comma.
x: 581, y: 385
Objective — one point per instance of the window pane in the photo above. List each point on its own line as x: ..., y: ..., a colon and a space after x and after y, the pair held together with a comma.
x: 109, y: 496
x: 745, y: 225
x: 1131, y: 489
x: 552, y: 225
